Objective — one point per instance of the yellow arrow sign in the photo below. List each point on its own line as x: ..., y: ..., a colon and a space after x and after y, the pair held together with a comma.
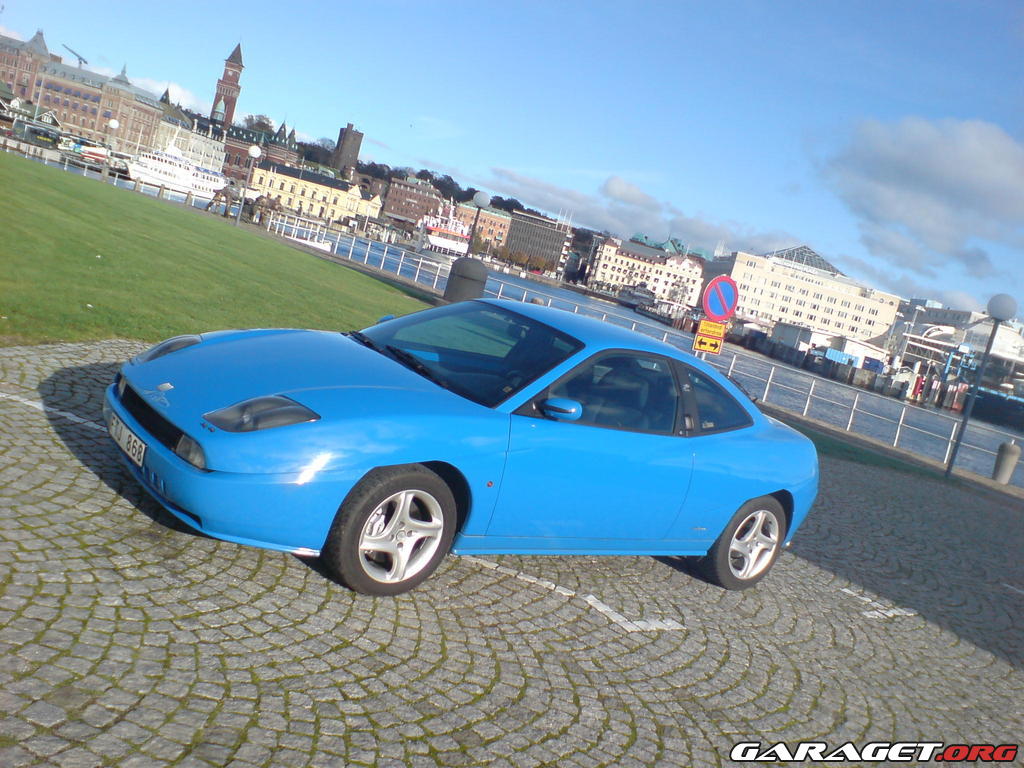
x: 707, y: 344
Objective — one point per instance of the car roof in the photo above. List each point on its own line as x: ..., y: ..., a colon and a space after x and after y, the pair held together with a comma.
x: 594, y: 333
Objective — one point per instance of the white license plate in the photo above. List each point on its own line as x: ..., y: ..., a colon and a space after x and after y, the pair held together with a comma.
x: 128, y: 440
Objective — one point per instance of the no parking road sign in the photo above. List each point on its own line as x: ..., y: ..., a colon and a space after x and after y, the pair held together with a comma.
x: 720, y: 298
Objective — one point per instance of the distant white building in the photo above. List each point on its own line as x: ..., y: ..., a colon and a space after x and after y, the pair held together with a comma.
x: 958, y: 326
x: 673, y: 278
x: 798, y: 286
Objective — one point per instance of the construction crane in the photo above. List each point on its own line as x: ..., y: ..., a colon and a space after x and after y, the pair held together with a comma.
x: 81, y: 59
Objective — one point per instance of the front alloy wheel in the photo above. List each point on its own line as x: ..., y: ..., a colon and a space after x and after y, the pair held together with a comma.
x: 401, y: 536
x: 392, y: 530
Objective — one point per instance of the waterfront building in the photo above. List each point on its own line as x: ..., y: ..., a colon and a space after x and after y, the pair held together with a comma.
x: 491, y: 227
x: 228, y: 88
x: 541, y: 242
x: 313, y: 194
x: 346, y: 152
x: 410, y: 199
x: 371, y: 184
x: 931, y: 320
x: 674, y: 277
x: 278, y: 146
x: 23, y: 119
x: 83, y: 101
x: 798, y: 286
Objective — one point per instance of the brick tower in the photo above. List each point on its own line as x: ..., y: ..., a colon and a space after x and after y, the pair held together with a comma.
x: 228, y: 88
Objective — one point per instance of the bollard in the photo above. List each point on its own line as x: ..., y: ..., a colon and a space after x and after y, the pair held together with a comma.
x: 465, y: 280
x: 1006, y: 462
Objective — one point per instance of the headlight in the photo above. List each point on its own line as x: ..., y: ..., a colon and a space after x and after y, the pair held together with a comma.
x: 190, y: 451
x: 166, y: 347
x: 121, y: 382
x: 260, y: 413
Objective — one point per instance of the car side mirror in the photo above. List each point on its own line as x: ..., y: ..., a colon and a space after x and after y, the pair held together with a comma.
x: 385, y: 318
x: 561, y: 408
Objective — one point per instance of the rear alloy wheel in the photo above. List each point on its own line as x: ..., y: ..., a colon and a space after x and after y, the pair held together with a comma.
x: 748, y: 546
x: 392, y: 531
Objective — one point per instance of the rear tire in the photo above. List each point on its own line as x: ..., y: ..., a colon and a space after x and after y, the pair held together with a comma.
x: 392, y: 531
x: 748, y: 547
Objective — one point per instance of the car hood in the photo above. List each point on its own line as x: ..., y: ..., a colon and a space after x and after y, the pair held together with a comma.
x: 226, y: 368
x: 372, y: 409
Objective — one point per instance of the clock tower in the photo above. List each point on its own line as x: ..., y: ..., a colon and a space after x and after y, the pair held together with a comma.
x: 228, y: 88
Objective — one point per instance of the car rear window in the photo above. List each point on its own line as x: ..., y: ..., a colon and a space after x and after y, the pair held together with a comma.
x: 716, y: 408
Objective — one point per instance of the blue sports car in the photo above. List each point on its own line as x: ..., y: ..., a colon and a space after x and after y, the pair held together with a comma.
x: 480, y: 427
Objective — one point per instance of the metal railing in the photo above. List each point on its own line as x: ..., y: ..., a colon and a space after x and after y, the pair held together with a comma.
x: 862, y: 412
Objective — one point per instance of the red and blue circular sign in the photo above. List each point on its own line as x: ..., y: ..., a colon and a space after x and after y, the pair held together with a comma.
x: 720, y: 298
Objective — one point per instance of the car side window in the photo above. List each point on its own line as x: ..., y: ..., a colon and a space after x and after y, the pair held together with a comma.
x: 717, y: 410
x: 623, y: 391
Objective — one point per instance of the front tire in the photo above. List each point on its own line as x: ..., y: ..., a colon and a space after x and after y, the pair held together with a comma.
x: 392, y: 531
x: 749, y: 545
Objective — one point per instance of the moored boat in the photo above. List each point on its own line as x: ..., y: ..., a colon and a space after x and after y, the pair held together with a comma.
x: 636, y: 296
x: 442, y: 236
x: 171, y: 170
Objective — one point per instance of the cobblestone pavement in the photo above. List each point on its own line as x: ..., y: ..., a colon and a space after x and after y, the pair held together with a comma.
x: 127, y: 640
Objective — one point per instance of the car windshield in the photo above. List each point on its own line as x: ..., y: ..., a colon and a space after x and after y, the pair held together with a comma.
x: 480, y: 351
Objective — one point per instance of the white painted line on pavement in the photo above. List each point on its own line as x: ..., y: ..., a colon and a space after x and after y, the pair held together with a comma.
x: 1015, y: 589
x: 877, y: 609
x: 55, y: 411
x: 640, y: 625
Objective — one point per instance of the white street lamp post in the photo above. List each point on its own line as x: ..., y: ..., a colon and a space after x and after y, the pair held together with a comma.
x: 254, y: 154
x: 1000, y: 308
x: 481, y: 200
x: 112, y: 125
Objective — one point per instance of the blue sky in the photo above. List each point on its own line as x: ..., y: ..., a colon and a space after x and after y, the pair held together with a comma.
x: 887, y: 136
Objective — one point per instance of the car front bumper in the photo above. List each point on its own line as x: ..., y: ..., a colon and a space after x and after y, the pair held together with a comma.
x: 284, y: 511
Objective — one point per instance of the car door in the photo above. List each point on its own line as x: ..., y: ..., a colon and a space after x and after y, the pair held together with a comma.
x: 618, y: 473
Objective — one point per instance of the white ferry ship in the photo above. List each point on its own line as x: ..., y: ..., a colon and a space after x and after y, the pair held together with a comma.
x: 442, y: 236
x: 171, y: 170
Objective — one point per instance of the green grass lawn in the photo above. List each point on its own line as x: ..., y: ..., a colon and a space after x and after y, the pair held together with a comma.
x: 81, y: 260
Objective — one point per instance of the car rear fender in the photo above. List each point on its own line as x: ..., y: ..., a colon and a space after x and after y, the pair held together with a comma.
x: 785, y: 498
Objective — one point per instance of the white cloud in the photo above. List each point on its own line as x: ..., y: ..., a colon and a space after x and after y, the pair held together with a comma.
x: 624, y: 209
x: 906, y: 286
x: 934, y: 197
x: 623, y: 191
x: 10, y: 32
x: 179, y: 94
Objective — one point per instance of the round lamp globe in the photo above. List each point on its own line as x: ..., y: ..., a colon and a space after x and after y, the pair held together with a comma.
x: 1002, y: 307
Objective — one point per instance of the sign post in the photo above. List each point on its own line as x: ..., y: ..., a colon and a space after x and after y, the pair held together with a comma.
x: 719, y: 302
